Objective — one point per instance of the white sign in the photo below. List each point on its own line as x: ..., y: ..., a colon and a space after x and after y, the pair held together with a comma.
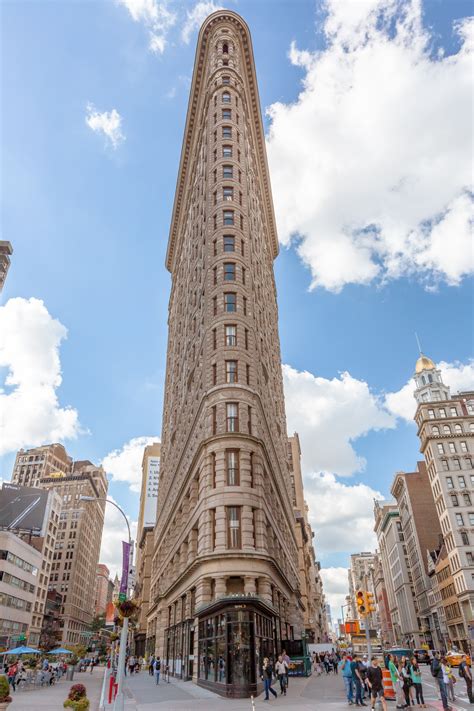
x: 151, y: 494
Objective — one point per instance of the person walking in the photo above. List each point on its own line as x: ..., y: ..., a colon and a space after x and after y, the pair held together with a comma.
x: 357, y: 679
x: 346, y: 671
x: 465, y: 673
x: 151, y: 665
x: 415, y: 673
x: 451, y: 682
x: 281, y: 668
x: 267, y: 676
x: 408, y: 690
x: 157, y: 669
x: 287, y: 660
x: 12, y: 672
x: 375, y: 682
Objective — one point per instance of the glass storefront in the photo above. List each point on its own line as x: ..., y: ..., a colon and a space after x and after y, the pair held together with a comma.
x: 233, y: 641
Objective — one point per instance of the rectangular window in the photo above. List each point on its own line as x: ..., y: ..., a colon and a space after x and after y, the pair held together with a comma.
x: 214, y: 373
x: 231, y: 375
x: 471, y: 518
x: 213, y: 470
x: 453, y: 412
x: 245, y: 306
x: 247, y: 371
x: 226, y: 80
x: 249, y: 413
x: 233, y: 526
x: 452, y: 447
x: 464, y: 538
x: 462, y: 482
x: 228, y: 193
x: 459, y: 519
x: 214, y: 305
x: 229, y: 243
x: 227, y: 151
x: 214, y: 275
x: 243, y: 275
x: 442, y: 412
x: 228, y: 217
x: 226, y: 114
x: 214, y: 420
x: 466, y: 498
x: 463, y: 446
x: 242, y: 247
x: 230, y: 302
x: 232, y: 467
x: 241, y: 222
x: 214, y: 338
x: 232, y: 417
x: 212, y: 515
x: 456, y: 463
x: 440, y: 448
x: 431, y: 414
x: 226, y: 97
x: 229, y: 271
x: 251, y: 469
x: 226, y: 131
x: 449, y: 482
x: 227, y: 171
x: 469, y: 555
x: 454, y: 500
x: 230, y: 335
x: 246, y: 339
x: 445, y: 465
x: 214, y: 245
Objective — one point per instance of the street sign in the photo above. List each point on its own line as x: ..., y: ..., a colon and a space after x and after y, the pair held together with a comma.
x: 122, y: 597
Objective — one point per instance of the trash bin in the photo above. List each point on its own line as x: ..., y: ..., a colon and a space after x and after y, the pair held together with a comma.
x: 70, y: 673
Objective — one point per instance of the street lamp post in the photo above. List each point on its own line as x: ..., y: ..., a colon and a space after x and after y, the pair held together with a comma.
x: 119, y: 699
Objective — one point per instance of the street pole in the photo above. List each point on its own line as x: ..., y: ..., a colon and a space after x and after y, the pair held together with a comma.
x: 120, y: 698
x: 367, y: 627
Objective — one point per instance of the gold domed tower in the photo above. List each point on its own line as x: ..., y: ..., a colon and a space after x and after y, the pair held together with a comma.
x: 429, y: 383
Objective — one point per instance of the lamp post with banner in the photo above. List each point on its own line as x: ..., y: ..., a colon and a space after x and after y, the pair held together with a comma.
x: 124, y: 590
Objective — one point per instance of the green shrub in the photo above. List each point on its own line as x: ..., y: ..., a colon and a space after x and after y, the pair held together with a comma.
x: 4, y: 690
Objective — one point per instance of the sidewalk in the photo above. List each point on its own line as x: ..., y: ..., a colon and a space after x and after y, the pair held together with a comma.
x: 51, y: 698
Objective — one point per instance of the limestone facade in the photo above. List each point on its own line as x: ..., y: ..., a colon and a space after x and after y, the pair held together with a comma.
x: 225, y: 522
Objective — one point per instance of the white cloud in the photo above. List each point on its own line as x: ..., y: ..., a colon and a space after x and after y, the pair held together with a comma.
x: 155, y: 16
x: 371, y: 166
x: 115, y: 531
x: 109, y: 123
x: 328, y: 416
x: 336, y: 588
x: 341, y: 515
x: 195, y: 18
x: 458, y: 376
x: 125, y: 464
x: 30, y: 414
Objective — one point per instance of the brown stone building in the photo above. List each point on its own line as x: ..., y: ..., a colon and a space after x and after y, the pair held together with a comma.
x: 101, y: 589
x: 225, y: 588
x: 77, y: 545
x: 5, y: 251
x: 421, y: 532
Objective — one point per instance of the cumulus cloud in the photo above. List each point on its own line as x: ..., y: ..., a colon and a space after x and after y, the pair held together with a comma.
x: 458, y: 376
x: 329, y: 415
x: 371, y: 166
x: 125, y: 464
x: 30, y: 413
x: 156, y: 18
x: 109, y: 123
x: 195, y: 18
x: 335, y: 589
x: 341, y: 514
x: 115, y: 531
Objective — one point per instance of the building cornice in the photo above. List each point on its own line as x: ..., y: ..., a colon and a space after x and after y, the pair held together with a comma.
x: 197, y: 94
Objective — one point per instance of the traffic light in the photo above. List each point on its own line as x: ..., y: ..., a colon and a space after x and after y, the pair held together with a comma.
x: 361, y: 603
x: 369, y: 602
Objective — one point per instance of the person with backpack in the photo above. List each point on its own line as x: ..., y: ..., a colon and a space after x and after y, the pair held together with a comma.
x: 465, y: 673
x: 441, y: 677
x: 415, y: 673
x: 157, y: 669
x: 375, y: 682
x: 267, y: 675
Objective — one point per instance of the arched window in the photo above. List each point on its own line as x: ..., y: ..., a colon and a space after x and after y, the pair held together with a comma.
x: 423, y: 380
x: 430, y: 378
x: 225, y: 48
x: 446, y: 429
x: 458, y: 429
x: 226, y: 97
x: 435, y: 430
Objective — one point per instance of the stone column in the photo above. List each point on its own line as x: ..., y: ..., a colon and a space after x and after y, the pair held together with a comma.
x: 221, y: 586
x: 247, y: 528
x: 221, y: 529
x: 203, y: 592
x: 202, y: 532
x: 265, y: 589
x: 260, y: 531
x: 192, y: 545
x: 249, y: 585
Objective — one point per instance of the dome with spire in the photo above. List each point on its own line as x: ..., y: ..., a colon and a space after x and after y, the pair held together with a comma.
x: 424, y: 363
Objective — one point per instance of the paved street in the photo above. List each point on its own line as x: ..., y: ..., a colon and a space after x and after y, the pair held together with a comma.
x: 142, y: 694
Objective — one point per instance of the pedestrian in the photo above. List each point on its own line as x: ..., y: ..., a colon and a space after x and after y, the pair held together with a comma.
x: 267, y: 676
x: 287, y: 660
x: 415, y: 673
x: 326, y: 663
x: 357, y: 680
x: 151, y: 665
x: 396, y: 681
x: 157, y: 669
x: 439, y: 672
x: 281, y: 668
x: 408, y: 688
x: 335, y: 662
x: 465, y: 673
x: 12, y: 672
x: 451, y: 682
x: 375, y: 682
x: 346, y: 671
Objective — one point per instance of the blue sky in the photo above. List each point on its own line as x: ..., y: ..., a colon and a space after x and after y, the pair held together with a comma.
x: 89, y: 222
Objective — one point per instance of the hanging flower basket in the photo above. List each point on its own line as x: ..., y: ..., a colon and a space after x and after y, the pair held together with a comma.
x: 127, y: 608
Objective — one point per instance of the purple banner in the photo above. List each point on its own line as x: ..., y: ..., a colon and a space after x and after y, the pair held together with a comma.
x: 125, y: 567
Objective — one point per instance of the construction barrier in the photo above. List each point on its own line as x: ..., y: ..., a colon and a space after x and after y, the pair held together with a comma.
x: 388, y: 690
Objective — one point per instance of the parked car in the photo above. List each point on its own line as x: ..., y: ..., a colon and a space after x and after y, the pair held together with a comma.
x: 454, y: 658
